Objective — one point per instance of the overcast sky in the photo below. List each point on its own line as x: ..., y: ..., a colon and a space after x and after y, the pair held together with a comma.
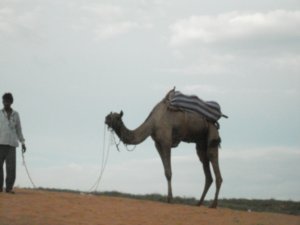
x: 70, y: 63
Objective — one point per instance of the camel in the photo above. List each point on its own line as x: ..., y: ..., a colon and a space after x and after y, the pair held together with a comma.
x: 168, y: 127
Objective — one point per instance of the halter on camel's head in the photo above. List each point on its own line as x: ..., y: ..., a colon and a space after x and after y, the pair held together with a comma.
x: 114, y: 120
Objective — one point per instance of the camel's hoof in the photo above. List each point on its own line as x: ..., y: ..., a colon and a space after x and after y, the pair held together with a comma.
x: 199, y: 203
x: 170, y: 199
x: 213, y: 206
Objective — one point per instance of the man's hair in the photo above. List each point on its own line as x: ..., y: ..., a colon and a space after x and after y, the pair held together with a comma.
x: 8, y: 97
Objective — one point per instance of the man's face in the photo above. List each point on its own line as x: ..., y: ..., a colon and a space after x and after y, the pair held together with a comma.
x: 6, y: 103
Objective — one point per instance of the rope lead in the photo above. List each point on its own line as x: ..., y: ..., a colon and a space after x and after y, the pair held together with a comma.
x: 104, y: 160
x: 27, y: 171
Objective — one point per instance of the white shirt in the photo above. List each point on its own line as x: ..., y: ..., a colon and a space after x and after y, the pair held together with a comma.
x: 10, y: 129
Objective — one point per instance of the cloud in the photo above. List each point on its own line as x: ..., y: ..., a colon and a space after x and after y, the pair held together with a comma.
x: 261, y: 172
x: 212, y: 89
x: 195, y: 88
x: 4, y: 23
x: 104, y: 21
x: 104, y: 11
x: 16, y: 21
x: 109, y: 30
x: 107, y: 20
x: 260, y: 153
x: 199, y: 62
x: 235, y: 26
x: 289, y: 61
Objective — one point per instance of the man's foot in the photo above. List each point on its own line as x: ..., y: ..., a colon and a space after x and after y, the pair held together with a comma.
x: 10, y: 192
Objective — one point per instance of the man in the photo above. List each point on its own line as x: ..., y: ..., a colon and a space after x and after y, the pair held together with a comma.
x: 10, y: 134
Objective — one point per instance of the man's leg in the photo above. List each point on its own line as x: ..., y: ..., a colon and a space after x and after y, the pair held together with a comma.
x: 3, y: 153
x: 10, y: 169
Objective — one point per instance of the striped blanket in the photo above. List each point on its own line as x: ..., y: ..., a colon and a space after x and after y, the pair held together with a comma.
x: 209, y: 109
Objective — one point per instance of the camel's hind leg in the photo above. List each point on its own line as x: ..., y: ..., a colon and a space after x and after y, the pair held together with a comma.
x: 213, y: 156
x: 202, y: 154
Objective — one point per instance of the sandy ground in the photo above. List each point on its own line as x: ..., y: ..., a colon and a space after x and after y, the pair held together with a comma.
x: 34, y: 207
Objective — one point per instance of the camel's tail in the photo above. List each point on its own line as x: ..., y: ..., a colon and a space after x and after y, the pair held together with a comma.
x: 225, y: 116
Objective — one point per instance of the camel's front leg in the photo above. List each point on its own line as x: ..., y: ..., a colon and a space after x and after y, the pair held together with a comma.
x: 165, y: 155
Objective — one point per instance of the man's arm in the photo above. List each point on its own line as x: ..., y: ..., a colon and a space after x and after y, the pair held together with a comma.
x: 19, y: 133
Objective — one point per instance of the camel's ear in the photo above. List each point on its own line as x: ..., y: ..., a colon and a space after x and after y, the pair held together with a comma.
x: 121, y: 113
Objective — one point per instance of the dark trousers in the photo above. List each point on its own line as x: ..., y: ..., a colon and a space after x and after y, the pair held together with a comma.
x: 7, y: 155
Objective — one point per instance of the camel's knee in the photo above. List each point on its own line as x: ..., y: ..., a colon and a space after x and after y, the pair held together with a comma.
x: 168, y: 174
x: 209, y: 180
x: 219, y: 181
x: 208, y: 176
x: 213, y: 156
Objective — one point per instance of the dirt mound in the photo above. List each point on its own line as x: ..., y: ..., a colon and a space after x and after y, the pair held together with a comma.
x: 35, y: 207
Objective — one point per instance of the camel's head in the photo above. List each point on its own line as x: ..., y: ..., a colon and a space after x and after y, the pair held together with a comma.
x: 114, y: 120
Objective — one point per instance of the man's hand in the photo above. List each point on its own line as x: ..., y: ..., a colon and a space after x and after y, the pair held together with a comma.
x: 23, y: 148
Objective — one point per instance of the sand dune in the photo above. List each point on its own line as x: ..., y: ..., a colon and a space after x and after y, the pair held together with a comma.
x: 35, y: 207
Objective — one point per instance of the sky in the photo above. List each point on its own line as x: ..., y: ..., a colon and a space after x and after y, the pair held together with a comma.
x: 70, y: 63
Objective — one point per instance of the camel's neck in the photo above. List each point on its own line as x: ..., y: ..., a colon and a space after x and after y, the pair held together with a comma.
x: 136, y: 136
x: 144, y: 130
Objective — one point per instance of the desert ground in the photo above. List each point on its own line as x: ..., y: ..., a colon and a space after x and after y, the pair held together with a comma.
x: 36, y: 207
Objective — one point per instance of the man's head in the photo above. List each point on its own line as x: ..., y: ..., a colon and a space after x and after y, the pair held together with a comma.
x: 7, y: 100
